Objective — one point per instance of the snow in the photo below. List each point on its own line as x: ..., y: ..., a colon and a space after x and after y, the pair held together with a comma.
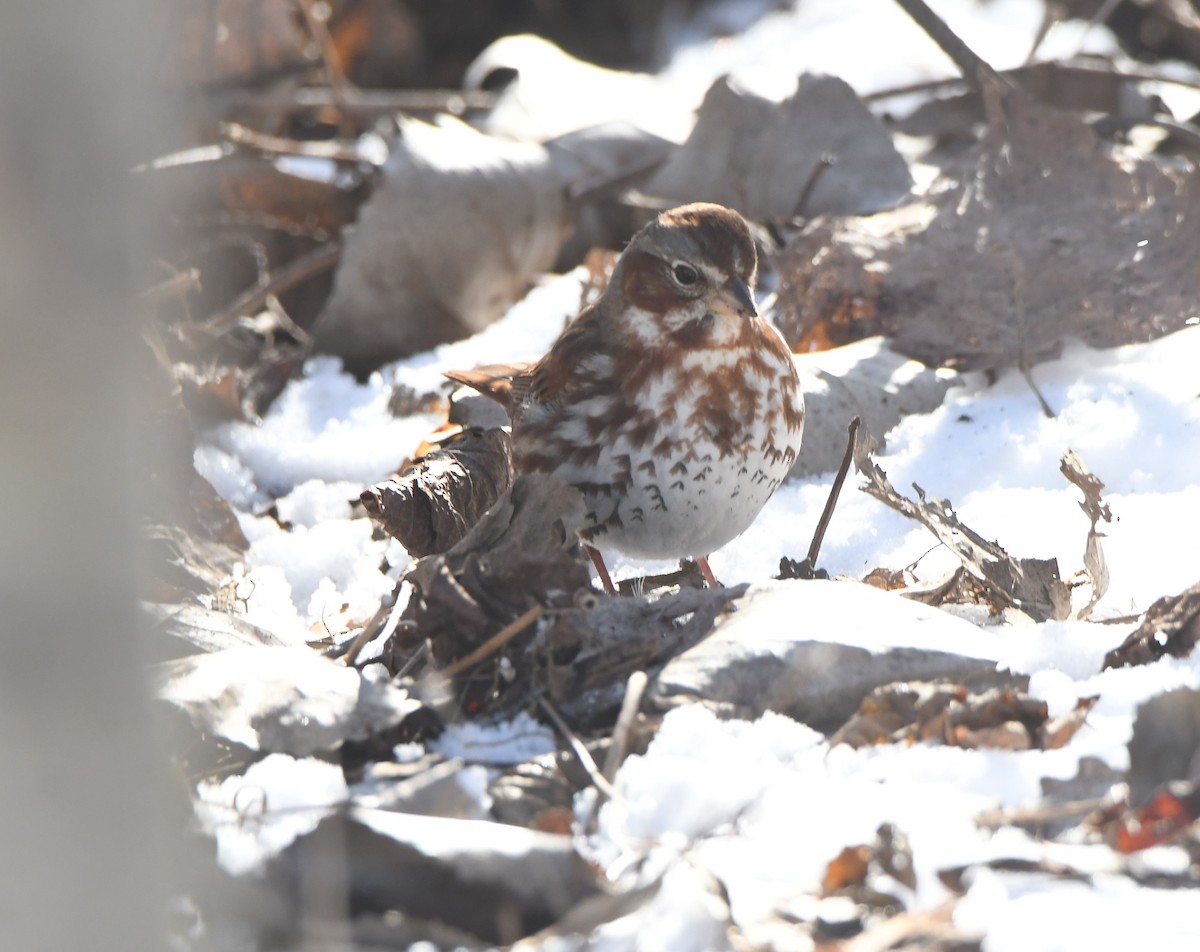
x: 512, y: 742
x: 763, y: 806
x: 255, y: 815
x: 874, y: 46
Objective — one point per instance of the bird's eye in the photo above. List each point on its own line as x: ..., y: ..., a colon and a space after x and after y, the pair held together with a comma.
x: 685, y: 274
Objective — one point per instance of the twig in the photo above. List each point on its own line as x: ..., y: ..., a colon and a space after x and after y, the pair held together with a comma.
x: 970, y: 63
x: 635, y: 687
x: 316, y: 16
x: 586, y: 761
x: 295, y: 272
x: 1016, y: 73
x: 493, y: 644
x: 1022, y: 316
x: 384, y: 621
x: 243, y: 136
x: 1047, y: 411
x: 814, y: 549
x: 178, y: 285
x: 807, y: 568
x: 1040, y: 814
x: 365, y: 103
x: 824, y: 163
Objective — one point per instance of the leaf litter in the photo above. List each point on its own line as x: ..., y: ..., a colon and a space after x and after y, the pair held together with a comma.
x: 498, y: 619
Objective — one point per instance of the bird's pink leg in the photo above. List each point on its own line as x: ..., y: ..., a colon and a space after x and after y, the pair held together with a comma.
x: 709, y: 578
x: 601, y: 568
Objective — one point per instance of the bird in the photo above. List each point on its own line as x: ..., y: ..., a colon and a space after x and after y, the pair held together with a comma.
x: 670, y: 402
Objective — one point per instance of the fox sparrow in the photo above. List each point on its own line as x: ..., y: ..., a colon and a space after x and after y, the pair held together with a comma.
x: 669, y: 403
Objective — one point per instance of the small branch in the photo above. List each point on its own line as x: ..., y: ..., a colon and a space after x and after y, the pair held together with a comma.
x: 969, y: 63
x: 1039, y: 814
x: 316, y: 16
x: 826, y: 162
x: 493, y: 644
x: 178, y: 285
x: 807, y: 568
x: 367, y: 104
x: 386, y: 618
x: 296, y: 272
x: 814, y: 549
x: 635, y: 687
x: 245, y: 137
x: 1047, y: 411
x: 586, y: 760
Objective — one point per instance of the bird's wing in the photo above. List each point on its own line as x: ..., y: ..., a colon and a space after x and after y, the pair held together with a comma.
x: 555, y: 378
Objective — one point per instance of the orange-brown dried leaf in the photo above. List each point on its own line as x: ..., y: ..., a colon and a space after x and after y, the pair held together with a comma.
x: 848, y: 868
x: 1172, y: 809
x: 1058, y: 732
x: 886, y: 579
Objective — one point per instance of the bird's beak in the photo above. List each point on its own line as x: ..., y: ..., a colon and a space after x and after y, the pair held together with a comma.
x: 734, y: 299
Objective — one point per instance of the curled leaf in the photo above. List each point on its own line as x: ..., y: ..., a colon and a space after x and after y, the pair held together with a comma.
x: 434, y: 505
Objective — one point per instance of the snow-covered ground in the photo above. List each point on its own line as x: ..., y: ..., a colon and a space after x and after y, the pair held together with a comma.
x: 764, y: 806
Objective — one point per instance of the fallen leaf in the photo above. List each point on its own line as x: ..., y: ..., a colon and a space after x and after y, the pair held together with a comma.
x: 848, y: 868
x: 1171, y: 810
x: 1058, y: 731
x: 818, y: 151
x: 1032, y: 586
x: 1170, y: 628
x: 1062, y: 236
x: 281, y: 700
x: 432, y: 506
x: 454, y: 232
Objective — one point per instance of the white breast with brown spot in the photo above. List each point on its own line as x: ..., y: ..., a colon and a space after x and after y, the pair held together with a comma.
x: 693, y: 486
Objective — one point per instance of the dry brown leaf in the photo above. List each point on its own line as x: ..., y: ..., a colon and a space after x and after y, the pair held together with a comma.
x: 434, y: 504
x: 1170, y: 627
x: 848, y: 868
x: 1058, y: 731
x: 1061, y: 235
x: 1029, y: 585
x: 768, y: 159
x: 1001, y: 718
x: 457, y: 228
x: 522, y: 553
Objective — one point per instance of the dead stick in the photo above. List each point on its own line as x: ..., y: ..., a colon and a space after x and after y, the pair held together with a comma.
x: 814, y: 549
x: 970, y: 63
x: 366, y: 103
x: 824, y: 163
x: 386, y: 615
x: 495, y: 643
x: 245, y: 137
x: 178, y: 285
x: 1090, y: 73
x: 580, y: 750
x: 635, y: 687
x: 316, y: 16
x: 1039, y: 814
x: 287, y: 277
